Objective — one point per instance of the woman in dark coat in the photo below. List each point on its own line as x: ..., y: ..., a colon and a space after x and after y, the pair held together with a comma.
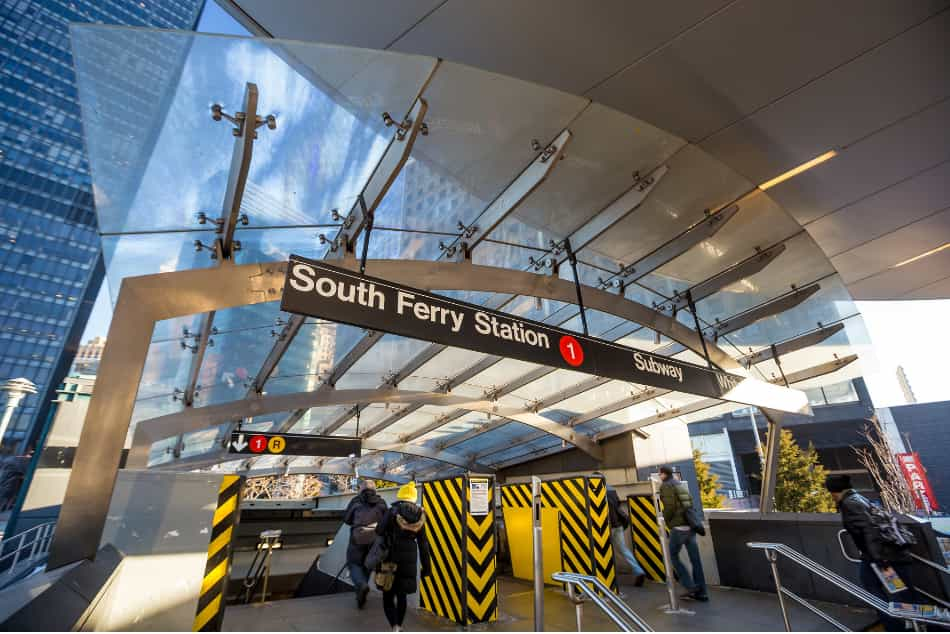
x: 403, y: 528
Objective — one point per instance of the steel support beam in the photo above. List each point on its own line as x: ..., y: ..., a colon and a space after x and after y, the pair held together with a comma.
x: 152, y: 430
x: 791, y: 345
x: 677, y: 246
x: 245, y: 133
x: 610, y: 215
x: 530, y: 178
x: 763, y: 311
x: 147, y: 299
x: 733, y: 274
x: 387, y: 169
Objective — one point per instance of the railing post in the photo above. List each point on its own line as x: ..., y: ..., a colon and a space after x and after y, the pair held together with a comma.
x: 19, y: 548
x: 772, y: 556
x: 538, y: 555
x: 578, y: 602
x: 36, y: 542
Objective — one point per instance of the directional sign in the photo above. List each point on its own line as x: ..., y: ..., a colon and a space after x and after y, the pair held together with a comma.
x: 318, y: 289
x: 293, y: 444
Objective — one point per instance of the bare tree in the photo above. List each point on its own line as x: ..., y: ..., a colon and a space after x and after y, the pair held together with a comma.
x: 878, y: 459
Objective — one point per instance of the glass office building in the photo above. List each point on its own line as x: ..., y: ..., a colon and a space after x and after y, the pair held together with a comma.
x: 50, y: 264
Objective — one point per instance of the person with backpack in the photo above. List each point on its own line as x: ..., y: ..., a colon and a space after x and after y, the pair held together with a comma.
x: 619, y: 518
x: 362, y: 515
x: 882, y: 542
x: 684, y: 521
x: 403, y: 543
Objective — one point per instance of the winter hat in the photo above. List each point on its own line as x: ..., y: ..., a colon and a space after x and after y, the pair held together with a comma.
x: 836, y: 483
x: 407, y: 492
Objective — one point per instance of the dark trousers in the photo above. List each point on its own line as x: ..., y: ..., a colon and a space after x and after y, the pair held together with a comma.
x: 872, y: 584
x: 394, y: 605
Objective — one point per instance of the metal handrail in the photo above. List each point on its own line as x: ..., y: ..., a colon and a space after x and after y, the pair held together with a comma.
x: 773, y: 549
x: 41, y: 536
x: 603, y: 598
x: 944, y: 569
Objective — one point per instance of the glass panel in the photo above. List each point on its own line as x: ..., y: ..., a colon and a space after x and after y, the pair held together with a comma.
x: 695, y: 182
x: 387, y: 356
x: 329, y: 134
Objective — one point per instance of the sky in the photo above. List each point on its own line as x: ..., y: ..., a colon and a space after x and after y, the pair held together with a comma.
x: 912, y: 334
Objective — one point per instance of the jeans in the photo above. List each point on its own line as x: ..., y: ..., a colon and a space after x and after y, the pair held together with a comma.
x: 359, y: 575
x: 621, y: 550
x: 697, y: 582
x: 394, y: 605
x: 872, y: 584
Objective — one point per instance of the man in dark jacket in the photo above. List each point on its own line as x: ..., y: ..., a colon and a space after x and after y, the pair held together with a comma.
x: 619, y: 518
x: 362, y: 515
x: 855, y: 516
x: 676, y: 499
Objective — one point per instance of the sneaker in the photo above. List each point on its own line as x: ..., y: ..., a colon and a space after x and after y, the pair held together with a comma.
x: 397, y: 628
x: 361, y: 594
x: 700, y: 597
x: 638, y: 582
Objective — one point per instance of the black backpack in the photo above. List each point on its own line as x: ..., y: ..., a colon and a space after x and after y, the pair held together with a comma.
x: 889, y: 532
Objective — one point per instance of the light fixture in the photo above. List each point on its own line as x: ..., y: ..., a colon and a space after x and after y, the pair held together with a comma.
x: 818, y: 160
x: 943, y: 246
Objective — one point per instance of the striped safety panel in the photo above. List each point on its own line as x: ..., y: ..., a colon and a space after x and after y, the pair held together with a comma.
x: 600, y: 533
x: 569, y: 497
x: 481, y: 591
x: 210, y: 612
x: 442, y: 591
x: 646, y: 536
x: 516, y: 496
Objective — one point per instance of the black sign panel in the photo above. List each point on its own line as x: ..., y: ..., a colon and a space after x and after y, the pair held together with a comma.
x: 257, y: 443
x: 318, y: 289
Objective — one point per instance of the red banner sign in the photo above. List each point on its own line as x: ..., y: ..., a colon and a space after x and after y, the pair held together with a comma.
x: 917, y: 479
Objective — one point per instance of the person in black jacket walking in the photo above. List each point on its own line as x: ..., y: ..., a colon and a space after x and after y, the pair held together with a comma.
x: 855, y: 516
x: 403, y: 530
x: 619, y: 518
x: 362, y: 515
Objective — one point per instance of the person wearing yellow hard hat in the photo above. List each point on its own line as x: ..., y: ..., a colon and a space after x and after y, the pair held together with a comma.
x: 405, y: 544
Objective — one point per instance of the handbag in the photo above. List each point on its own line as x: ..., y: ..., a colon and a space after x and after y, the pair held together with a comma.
x: 385, y: 576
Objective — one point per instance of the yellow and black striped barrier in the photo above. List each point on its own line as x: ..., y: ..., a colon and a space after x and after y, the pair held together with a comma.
x: 646, y: 536
x: 481, y: 589
x: 462, y: 585
x: 585, y: 528
x: 210, y: 611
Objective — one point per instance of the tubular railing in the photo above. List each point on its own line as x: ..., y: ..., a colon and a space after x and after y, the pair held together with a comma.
x: 30, y: 546
x: 594, y: 589
x: 773, y: 550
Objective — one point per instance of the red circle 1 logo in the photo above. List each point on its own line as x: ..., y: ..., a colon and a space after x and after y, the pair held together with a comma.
x: 258, y: 444
x: 571, y: 350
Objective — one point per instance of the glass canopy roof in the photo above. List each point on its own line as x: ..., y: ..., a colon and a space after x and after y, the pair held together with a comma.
x: 160, y: 184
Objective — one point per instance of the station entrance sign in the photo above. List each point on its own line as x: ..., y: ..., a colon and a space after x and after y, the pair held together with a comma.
x: 293, y: 444
x: 317, y: 289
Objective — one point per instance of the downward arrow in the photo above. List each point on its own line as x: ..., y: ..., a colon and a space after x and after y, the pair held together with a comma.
x: 239, y: 444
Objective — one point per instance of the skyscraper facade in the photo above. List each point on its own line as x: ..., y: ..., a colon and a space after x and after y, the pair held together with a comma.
x: 50, y: 259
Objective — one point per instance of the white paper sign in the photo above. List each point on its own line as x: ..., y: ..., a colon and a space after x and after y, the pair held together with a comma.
x: 478, y: 491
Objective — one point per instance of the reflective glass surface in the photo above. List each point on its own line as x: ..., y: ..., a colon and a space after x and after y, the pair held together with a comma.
x: 483, y: 131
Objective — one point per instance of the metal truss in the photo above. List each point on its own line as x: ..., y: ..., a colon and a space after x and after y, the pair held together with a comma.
x: 530, y: 178
x: 246, y: 123
x: 810, y: 373
x: 153, y: 430
x: 756, y: 263
x: 615, y: 211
